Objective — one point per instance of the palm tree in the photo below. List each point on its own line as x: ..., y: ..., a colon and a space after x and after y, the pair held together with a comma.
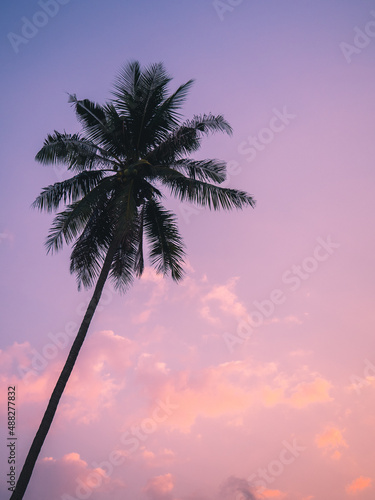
x: 129, y: 150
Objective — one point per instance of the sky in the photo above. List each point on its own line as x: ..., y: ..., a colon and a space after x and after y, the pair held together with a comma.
x: 254, y: 378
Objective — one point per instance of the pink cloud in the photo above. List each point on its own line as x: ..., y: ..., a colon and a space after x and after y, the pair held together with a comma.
x: 283, y: 389
x: 266, y: 494
x: 227, y: 300
x: 159, y: 288
x: 160, y: 487
x: 229, y: 389
x: 71, y: 476
x: 307, y: 393
x: 359, y: 484
x: 236, y: 488
x: 142, y: 317
x: 14, y: 355
x: 336, y: 455
x: 213, y: 392
x: 149, y: 365
x: 160, y: 458
x: 205, y: 312
x: 104, y: 362
x: 330, y: 440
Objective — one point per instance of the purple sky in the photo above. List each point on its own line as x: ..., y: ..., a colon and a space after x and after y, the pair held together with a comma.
x: 254, y: 378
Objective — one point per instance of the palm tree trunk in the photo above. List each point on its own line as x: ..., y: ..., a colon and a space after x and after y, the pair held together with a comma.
x: 42, y: 432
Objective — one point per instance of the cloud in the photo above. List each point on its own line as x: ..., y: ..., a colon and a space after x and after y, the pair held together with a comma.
x: 149, y: 365
x: 14, y: 356
x: 227, y: 300
x: 336, y: 455
x: 307, y: 393
x: 160, y: 487
x: 235, y: 488
x: 98, y: 375
x: 70, y: 476
x: 226, y: 389
x: 161, y: 458
x: 151, y: 372
x: 330, y: 440
x: 205, y: 312
x: 273, y: 494
x: 103, y: 362
x: 160, y: 286
x: 368, y: 378
x: 142, y: 317
x: 359, y: 484
x: 285, y: 389
x: 156, y: 287
x: 16, y: 370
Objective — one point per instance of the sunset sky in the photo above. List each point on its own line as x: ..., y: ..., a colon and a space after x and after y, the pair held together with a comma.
x: 254, y: 378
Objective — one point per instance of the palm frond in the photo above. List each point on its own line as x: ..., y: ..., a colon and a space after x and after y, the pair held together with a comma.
x: 168, y: 110
x: 141, y: 99
x: 68, y: 191
x: 114, y: 216
x: 182, y: 141
x: 203, y: 170
x: 90, y: 114
x: 66, y: 226
x: 118, y: 136
x: 124, y: 266
x: 69, y: 223
x: 209, y: 124
x: 163, y: 119
x: 208, y: 195
x: 139, y: 263
x: 88, y: 254
x: 125, y: 87
x: 91, y: 246
x: 134, y: 89
x: 187, y: 138
x: 97, y: 129
x: 166, y: 245
x: 70, y: 149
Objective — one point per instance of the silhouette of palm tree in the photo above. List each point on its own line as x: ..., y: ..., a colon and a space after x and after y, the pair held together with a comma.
x: 131, y: 148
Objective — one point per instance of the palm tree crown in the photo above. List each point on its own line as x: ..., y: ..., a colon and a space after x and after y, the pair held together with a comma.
x: 131, y: 148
